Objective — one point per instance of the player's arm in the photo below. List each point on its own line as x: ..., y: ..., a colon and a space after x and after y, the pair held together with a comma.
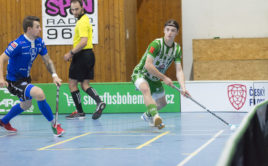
x: 3, y: 58
x: 180, y: 78
x: 51, y: 69
x: 79, y: 47
x: 149, y: 66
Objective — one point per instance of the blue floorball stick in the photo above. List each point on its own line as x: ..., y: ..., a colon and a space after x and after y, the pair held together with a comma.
x: 232, y: 127
x: 57, y: 105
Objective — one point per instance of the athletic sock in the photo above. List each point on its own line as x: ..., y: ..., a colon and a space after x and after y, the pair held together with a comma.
x: 77, y: 101
x: 45, y: 109
x: 15, y: 110
x: 53, y: 122
x: 151, y: 110
x: 92, y: 93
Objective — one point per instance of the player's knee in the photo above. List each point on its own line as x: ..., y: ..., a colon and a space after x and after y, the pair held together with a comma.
x: 26, y: 105
x: 37, y: 93
x: 145, y: 90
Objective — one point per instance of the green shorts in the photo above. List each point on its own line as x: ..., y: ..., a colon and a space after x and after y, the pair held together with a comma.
x: 156, y: 87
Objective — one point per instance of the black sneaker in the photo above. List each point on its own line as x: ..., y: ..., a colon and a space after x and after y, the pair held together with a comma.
x: 76, y: 115
x: 100, y: 107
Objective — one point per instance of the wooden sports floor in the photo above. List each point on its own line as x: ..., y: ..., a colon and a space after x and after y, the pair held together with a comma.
x: 190, y: 139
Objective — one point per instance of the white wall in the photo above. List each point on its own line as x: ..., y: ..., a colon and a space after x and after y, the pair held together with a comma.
x: 206, y: 19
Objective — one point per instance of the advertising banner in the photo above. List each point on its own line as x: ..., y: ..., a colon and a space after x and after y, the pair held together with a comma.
x: 58, y: 23
x: 119, y: 97
x: 238, y: 96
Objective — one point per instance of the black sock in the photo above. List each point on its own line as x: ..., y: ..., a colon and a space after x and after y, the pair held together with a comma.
x: 77, y: 101
x: 92, y: 93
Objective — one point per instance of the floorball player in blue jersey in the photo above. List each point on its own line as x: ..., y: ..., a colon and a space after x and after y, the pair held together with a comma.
x: 20, y: 55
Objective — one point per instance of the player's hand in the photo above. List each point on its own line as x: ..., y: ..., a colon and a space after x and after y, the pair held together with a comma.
x: 3, y: 83
x: 185, y: 93
x: 67, y: 56
x: 168, y: 81
x: 57, y: 81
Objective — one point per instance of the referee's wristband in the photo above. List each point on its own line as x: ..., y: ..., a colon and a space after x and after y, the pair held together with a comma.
x: 54, y: 75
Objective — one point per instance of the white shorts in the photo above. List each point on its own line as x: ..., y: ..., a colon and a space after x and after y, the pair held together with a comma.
x: 156, y: 95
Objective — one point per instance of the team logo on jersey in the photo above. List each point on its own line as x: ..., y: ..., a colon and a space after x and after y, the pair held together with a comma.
x: 33, y: 52
x: 14, y: 44
x: 237, y: 95
x: 151, y: 50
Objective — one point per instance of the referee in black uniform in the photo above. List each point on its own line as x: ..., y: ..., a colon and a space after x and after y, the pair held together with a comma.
x: 83, y: 61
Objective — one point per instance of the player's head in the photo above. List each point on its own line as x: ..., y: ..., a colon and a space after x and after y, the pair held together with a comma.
x: 77, y: 8
x: 171, y: 29
x: 31, y: 26
x: 172, y: 23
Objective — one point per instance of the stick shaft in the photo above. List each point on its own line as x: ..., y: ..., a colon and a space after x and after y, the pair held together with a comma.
x: 57, y: 104
x: 189, y: 97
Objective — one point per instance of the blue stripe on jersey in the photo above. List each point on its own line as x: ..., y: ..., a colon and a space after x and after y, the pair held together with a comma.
x: 21, y: 56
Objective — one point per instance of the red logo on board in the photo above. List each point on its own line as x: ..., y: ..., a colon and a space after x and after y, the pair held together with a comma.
x: 237, y: 95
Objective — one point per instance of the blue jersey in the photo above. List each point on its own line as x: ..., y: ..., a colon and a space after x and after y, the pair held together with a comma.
x: 22, y: 52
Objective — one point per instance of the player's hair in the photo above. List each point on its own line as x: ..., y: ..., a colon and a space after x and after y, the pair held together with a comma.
x: 173, y: 23
x: 80, y: 2
x: 28, y: 22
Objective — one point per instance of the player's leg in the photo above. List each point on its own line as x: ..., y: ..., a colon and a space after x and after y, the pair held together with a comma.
x: 149, y: 102
x: 17, y: 89
x: 79, y: 113
x: 94, y: 95
x: 151, y: 115
x: 158, y: 94
x: 14, y: 111
x: 161, y: 101
x: 38, y: 94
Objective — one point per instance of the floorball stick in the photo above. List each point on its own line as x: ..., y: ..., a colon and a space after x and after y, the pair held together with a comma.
x: 57, y: 104
x: 232, y: 127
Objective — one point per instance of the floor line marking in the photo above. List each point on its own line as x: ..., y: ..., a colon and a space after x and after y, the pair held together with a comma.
x: 8, y: 134
x: 152, y: 140
x: 67, y: 140
x: 200, y: 148
x: 71, y: 149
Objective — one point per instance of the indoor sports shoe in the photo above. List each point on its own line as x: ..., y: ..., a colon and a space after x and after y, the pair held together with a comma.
x: 57, y: 130
x: 100, y: 107
x: 8, y: 127
x: 162, y: 125
x: 158, y: 122
x: 76, y: 115
x: 148, y: 119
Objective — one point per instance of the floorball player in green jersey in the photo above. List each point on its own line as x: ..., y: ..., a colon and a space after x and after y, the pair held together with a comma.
x: 147, y: 75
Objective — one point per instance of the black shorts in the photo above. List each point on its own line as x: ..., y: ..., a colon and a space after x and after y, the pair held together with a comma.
x: 82, y: 66
x: 18, y: 88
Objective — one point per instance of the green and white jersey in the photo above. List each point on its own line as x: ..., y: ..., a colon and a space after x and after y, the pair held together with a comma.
x: 163, y: 57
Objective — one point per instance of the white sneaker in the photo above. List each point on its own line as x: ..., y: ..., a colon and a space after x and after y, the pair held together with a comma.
x: 157, y: 122
x: 147, y: 118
